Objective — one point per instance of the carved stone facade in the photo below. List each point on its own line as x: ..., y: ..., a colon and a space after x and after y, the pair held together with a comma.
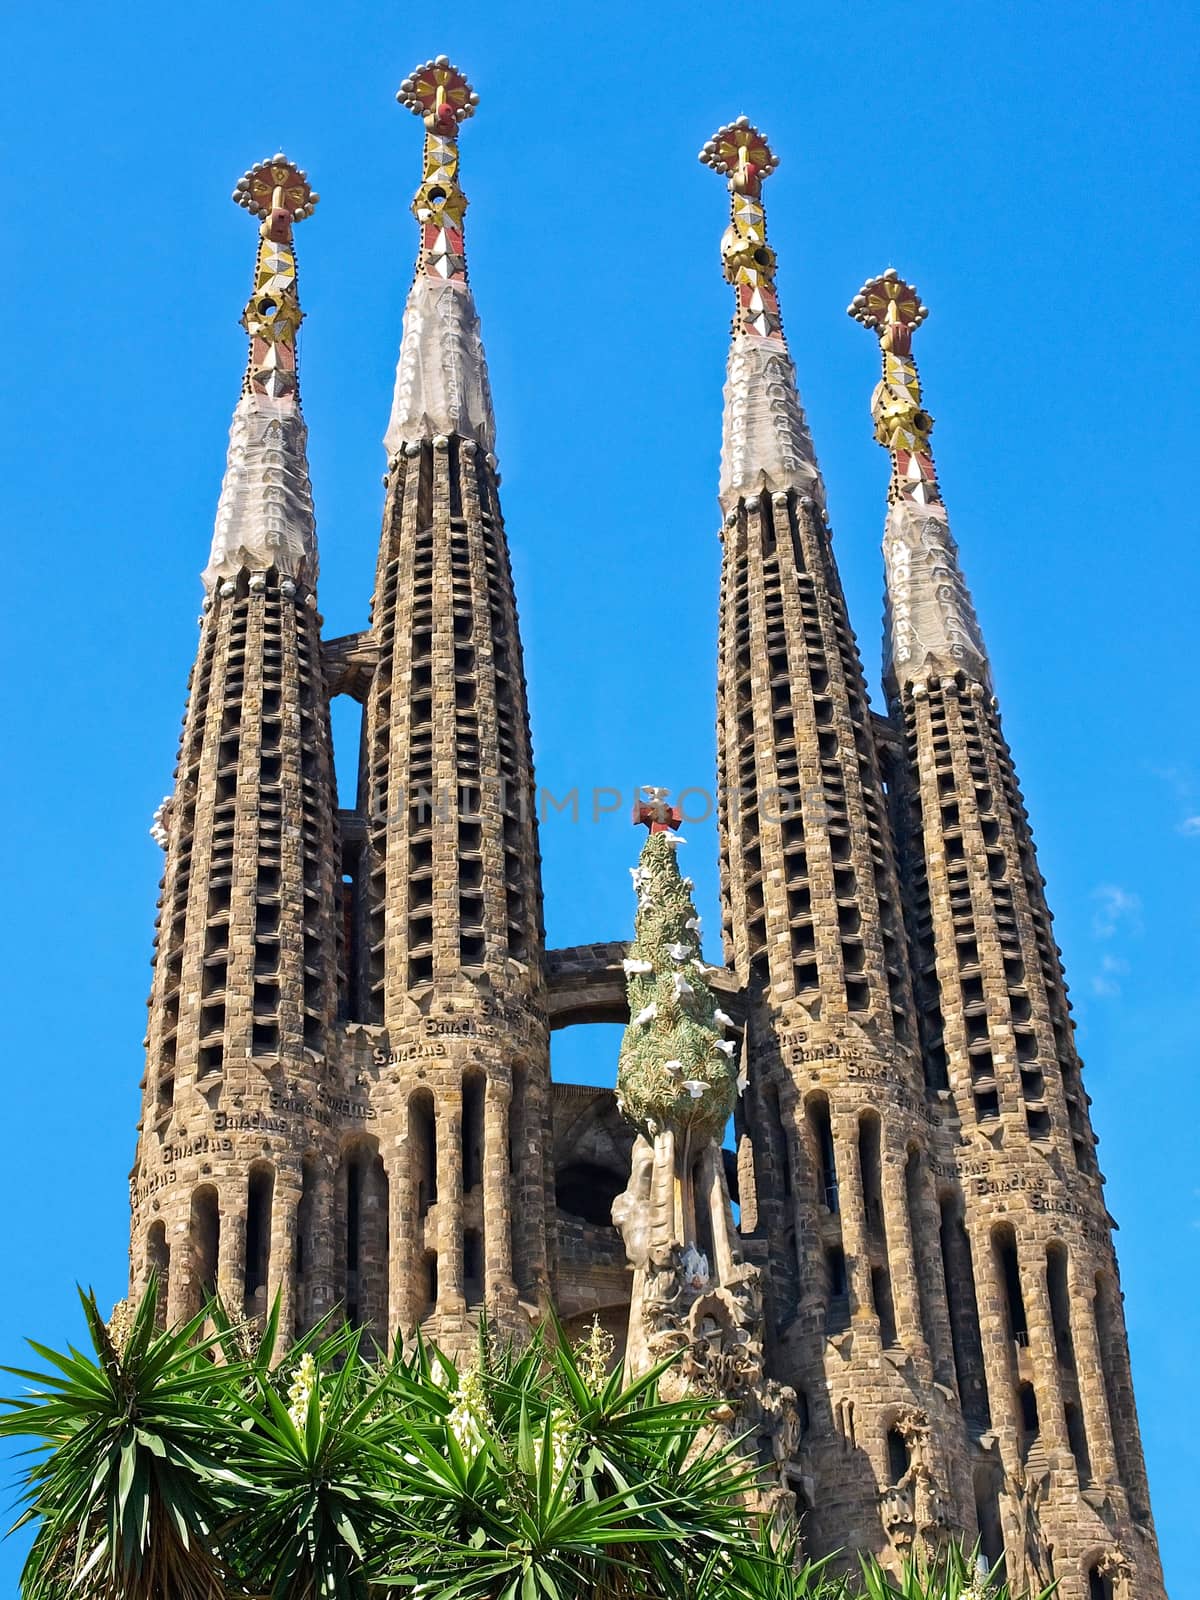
x: 917, y: 1319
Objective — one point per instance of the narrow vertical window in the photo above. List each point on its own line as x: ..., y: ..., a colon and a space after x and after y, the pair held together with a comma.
x: 959, y: 1275
x: 205, y: 1239
x: 158, y: 1261
x: 259, y: 1203
x: 472, y: 1131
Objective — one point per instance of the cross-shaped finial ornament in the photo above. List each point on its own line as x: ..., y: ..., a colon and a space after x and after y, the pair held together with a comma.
x: 440, y: 94
x: 278, y: 191
x: 650, y: 810
x: 739, y: 152
x: 892, y: 307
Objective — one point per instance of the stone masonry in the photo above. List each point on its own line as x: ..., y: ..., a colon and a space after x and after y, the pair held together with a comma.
x: 347, y: 1100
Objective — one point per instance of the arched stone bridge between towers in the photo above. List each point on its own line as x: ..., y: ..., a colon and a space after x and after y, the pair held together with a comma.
x: 586, y: 983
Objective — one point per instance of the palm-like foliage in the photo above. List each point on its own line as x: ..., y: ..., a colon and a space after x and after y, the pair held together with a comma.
x: 533, y: 1481
x: 189, y: 1465
x: 126, y: 1485
x: 316, y: 1505
x: 948, y: 1573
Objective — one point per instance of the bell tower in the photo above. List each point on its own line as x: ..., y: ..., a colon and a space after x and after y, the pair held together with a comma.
x: 245, y: 968
x: 451, y: 970
x: 1039, y: 1335
x: 837, y: 1133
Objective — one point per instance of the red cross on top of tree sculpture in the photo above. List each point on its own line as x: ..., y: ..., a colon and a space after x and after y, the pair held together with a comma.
x: 650, y: 810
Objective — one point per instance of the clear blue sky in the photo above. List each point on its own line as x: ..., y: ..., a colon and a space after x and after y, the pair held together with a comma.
x: 1032, y: 167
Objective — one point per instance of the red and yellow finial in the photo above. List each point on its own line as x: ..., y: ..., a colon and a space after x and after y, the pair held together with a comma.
x: 279, y: 192
x: 740, y: 152
x: 894, y: 310
x: 440, y: 95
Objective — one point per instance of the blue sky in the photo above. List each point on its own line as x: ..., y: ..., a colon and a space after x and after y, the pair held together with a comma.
x: 1030, y: 167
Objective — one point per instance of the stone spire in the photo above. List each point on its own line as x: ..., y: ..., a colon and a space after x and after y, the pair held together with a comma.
x: 1040, y: 1359
x: 447, y: 958
x: 766, y: 443
x: 265, y: 513
x: 931, y: 624
x: 441, y: 376
x: 237, y: 1146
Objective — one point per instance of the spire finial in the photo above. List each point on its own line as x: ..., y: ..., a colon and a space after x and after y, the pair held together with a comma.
x: 740, y: 152
x: 931, y: 623
x: 441, y: 376
x: 893, y: 309
x: 765, y: 441
x: 279, y: 192
x: 440, y: 95
x: 265, y: 513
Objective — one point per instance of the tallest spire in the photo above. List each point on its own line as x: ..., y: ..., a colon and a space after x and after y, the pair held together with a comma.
x: 441, y: 378
x: 765, y: 443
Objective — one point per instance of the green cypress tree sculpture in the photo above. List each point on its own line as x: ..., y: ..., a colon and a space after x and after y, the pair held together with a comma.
x: 676, y: 1069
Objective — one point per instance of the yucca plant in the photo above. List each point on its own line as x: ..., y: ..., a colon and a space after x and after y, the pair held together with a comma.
x: 128, y: 1484
x: 318, y: 1505
x: 948, y: 1573
x: 193, y: 1464
x: 529, y: 1475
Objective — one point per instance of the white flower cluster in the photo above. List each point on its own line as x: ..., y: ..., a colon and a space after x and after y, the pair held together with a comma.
x: 469, y: 1412
x: 300, y: 1390
x: 560, y: 1447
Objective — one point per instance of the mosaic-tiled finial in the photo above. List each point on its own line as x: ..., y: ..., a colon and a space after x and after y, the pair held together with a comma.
x: 279, y: 192
x: 440, y: 95
x: 765, y: 442
x: 893, y: 309
x: 740, y: 153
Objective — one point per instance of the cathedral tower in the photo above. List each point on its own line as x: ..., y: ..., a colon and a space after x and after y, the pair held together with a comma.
x: 244, y: 988
x: 448, y: 939
x: 1039, y: 1338
x: 347, y: 1098
x: 836, y: 1137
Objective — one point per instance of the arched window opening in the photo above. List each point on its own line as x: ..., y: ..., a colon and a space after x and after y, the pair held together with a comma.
x: 777, y: 1140
x: 1004, y: 1245
x: 803, y: 1412
x: 1060, y: 1304
x: 959, y: 1274
x: 259, y: 1202
x: 837, y: 1312
x: 821, y: 1133
x: 473, y: 1287
x: 871, y: 1168
x: 885, y: 1310
x: 204, y: 1234
x: 1100, y: 1584
x: 472, y: 1131
x: 158, y: 1261
x: 422, y: 1142
x: 516, y: 1119
x: 928, y: 1287
x: 987, y: 1512
x: 1030, y: 1425
x: 1077, y: 1439
x: 899, y: 1458
x: 704, y: 1233
x: 430, y: 1279
x: 1058, y: 1294
x: 1118, y: 1390
x: 587, y: 1191
x: 366, y: 1238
